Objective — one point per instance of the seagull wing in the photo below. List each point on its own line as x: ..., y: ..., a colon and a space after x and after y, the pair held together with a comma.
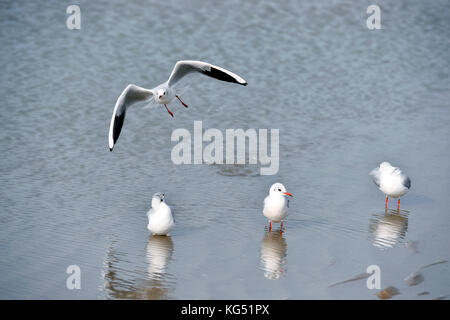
x: 406, y: 182
x: 375, y: 173
x: 130, y: 95
x: 185, y: 67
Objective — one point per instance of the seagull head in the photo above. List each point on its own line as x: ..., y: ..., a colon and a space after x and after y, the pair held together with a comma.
x: 279, y: 189
x: 161, y: 93
x: 385, y: 166
x: 157, y: 199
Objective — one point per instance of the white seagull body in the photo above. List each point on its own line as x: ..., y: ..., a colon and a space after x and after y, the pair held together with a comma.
x: 164, y: 93
x: 160, y: 218
x: 276, y: 205
x: 391, y: 181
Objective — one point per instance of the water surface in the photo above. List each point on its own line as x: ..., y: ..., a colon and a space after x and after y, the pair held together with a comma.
x: 344, y: 98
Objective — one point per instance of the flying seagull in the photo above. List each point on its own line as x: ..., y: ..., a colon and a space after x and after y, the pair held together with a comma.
x: 391, y: 181
x: 164, y: 93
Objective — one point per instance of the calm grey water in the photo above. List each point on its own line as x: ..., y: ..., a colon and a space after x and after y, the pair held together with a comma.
x: 344, y: 98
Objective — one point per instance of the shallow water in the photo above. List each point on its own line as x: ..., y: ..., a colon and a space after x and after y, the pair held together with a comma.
x: 344, y: 98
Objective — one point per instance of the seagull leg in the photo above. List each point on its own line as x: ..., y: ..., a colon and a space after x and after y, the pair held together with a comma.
x: 270, y: 225
x: 385, y: 206
x: 281, y: 227
x: 398, y: 205
x: 168, y: 111
x: 184, y: 104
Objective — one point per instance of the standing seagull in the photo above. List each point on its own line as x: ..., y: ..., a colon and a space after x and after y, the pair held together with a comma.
x: 160, y: 219
x: 164, y: 93
x: 276, y: 205
x: 391, y: 181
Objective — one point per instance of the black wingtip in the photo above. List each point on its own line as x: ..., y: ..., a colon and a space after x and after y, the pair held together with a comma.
x: 118, y: 123
x: 407, y: 183
x: 224, y: 76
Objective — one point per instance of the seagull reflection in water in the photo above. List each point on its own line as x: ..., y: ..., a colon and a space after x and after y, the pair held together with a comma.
x: 388, y: 228
x: 273, y: 254
x: 152, y: 284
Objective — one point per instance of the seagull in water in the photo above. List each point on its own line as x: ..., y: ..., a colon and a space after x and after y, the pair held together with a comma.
x: 164, y: 93
x: 160, y: 219
x: 391, y: 181
x: 276, y: 205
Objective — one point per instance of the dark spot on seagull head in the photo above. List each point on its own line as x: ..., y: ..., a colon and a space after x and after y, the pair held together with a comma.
x: 161, y: 93
x: 159, y: 196
x: 278, y: 188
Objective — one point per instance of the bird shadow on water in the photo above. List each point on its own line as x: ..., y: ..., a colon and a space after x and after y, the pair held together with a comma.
x: 388, y: 228
x: 153, y: 283
x: 273, y: 254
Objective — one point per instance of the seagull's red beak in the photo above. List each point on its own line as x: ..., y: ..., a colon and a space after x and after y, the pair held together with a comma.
x: 160, y: 97
x: 288, y: 194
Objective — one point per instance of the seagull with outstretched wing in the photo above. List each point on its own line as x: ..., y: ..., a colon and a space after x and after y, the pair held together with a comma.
x: 164, y: 93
